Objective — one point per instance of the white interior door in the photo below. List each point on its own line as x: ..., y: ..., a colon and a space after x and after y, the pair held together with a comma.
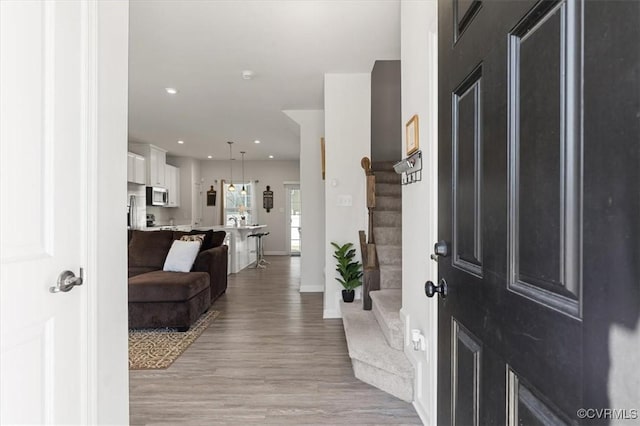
x: 43, y: 122
x: 294, y: 219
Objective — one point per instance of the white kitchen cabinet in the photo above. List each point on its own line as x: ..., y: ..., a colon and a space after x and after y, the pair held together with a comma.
x: 158, y: 159
x: 139, y: 169
x: 135, y: 168
x: 172, y: 180
x: 155, y: 161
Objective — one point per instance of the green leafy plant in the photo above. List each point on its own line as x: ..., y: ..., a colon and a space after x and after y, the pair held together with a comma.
x: 350, y: 271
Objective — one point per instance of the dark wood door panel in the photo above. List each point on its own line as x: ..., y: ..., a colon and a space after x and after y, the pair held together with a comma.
x: 467, y: 174
x: 509, y: 68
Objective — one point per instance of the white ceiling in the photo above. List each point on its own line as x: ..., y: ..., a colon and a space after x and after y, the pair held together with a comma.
x: 202, y: 47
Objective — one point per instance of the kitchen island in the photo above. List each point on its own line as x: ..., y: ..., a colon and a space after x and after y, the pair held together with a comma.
x: 242, y: 249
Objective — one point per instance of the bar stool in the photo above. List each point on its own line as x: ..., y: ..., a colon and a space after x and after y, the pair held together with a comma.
x: 260, y: 261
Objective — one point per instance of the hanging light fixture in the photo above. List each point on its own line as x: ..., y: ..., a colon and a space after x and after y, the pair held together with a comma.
x: 231, y: 187
x: 244, y: 191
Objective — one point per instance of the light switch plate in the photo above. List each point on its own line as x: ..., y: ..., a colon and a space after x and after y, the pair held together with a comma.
x: 345, y: 200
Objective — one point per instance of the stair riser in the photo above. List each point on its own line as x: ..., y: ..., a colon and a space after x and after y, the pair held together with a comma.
x: 388, y: 177
x: 389, y: 255
x: 389, y: 219
x: 400, y: 387
x: 393, y: 336
x: 388, y: 189
x: 391, y: 236
x: 390, y: 279
x: 383, y: 166
x: 387, y: 203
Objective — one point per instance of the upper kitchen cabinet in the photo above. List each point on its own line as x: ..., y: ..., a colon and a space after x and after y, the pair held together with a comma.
x: 155, y: 159
x: 135, y: 168
x: 172, y: 178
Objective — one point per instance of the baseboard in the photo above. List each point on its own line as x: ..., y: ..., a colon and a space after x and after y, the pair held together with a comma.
x: 418, y: 403
x: 311, y: 289
x: 276, y: 253
x: 331, y: 313
x: 422, y: 413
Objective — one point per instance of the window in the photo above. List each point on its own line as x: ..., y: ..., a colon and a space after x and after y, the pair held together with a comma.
x: 237, y: 205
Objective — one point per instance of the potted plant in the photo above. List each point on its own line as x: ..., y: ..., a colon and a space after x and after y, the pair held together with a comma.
x: 350, y: 271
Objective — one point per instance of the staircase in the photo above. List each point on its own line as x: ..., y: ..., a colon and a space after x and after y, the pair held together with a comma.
x: 375, y: 338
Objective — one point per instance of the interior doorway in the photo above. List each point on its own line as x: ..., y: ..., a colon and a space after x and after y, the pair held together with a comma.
x: 294, y: 219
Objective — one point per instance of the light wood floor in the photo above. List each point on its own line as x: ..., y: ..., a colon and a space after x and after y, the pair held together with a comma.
x: 269, y: 358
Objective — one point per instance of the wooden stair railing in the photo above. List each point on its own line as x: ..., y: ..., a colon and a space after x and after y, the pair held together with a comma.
x: 371, y: 267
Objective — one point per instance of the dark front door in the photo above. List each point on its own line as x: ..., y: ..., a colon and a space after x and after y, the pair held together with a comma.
x: 538, y: 203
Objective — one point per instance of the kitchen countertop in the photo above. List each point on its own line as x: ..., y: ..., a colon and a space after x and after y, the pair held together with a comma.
x: 230, y: 228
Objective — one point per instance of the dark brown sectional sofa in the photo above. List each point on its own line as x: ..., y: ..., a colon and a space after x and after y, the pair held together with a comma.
x: 160, y: 298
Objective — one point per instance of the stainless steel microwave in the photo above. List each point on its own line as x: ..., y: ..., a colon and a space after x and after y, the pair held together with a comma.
x: 157, y: 196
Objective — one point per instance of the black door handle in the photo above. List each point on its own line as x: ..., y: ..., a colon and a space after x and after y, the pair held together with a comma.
x: 431, y: 289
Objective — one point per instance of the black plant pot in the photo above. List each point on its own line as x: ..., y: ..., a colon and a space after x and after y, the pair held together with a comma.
x: 348, y: 295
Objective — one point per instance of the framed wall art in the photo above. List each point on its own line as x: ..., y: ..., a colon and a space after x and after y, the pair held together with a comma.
x: 412, y: 137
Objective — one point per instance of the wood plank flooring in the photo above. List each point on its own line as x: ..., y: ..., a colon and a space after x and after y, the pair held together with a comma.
x: 269, y: 358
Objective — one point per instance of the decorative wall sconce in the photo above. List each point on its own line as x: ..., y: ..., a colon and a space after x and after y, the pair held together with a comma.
x: 267, y: 199
x: 211, y: 196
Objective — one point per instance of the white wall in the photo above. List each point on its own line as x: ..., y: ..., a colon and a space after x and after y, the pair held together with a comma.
x: 268, y: 172
x: 419, y: 200
x: 110, y: 278
x: 347, y: 104
x: 312, y: 196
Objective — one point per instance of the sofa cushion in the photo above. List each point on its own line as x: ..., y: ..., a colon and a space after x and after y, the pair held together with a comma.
x: 137, y: 270
x: 181, y: 256
x: 218, y: 238
x: 149, y: 248
x: 164, y: 286
x: 193, y: 237
x: 211, y: 238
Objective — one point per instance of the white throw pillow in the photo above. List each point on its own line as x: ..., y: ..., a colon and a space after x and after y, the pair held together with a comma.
x: 181, y: 256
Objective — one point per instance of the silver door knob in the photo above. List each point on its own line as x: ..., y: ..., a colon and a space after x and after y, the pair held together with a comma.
x: 440, y: 249
x: 66, y: 281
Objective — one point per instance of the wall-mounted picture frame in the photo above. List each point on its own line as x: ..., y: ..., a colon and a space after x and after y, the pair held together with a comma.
x: 412, y: 136
x: 322, y: 155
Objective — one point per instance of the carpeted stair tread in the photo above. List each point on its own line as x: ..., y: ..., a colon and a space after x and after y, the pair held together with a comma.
x: 367, y: 344
x: 388, y: 235
x: 389, y: 255
x: 388, y: 203
x: 373, y: 360
x: 386, y: 306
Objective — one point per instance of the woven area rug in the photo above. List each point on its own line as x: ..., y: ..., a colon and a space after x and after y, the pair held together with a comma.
x: 157, y: 348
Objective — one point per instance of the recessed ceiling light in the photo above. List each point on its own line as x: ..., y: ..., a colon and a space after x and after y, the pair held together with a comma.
x: 256, y: 141
x: 180, y: 142
x: 171, y: 90
x: 271, y: 156
x: 209, y: 157
x: 247, y: 74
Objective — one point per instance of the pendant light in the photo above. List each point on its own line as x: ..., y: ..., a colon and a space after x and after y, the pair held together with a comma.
x: 244, y: 191
x: 231, y: 187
